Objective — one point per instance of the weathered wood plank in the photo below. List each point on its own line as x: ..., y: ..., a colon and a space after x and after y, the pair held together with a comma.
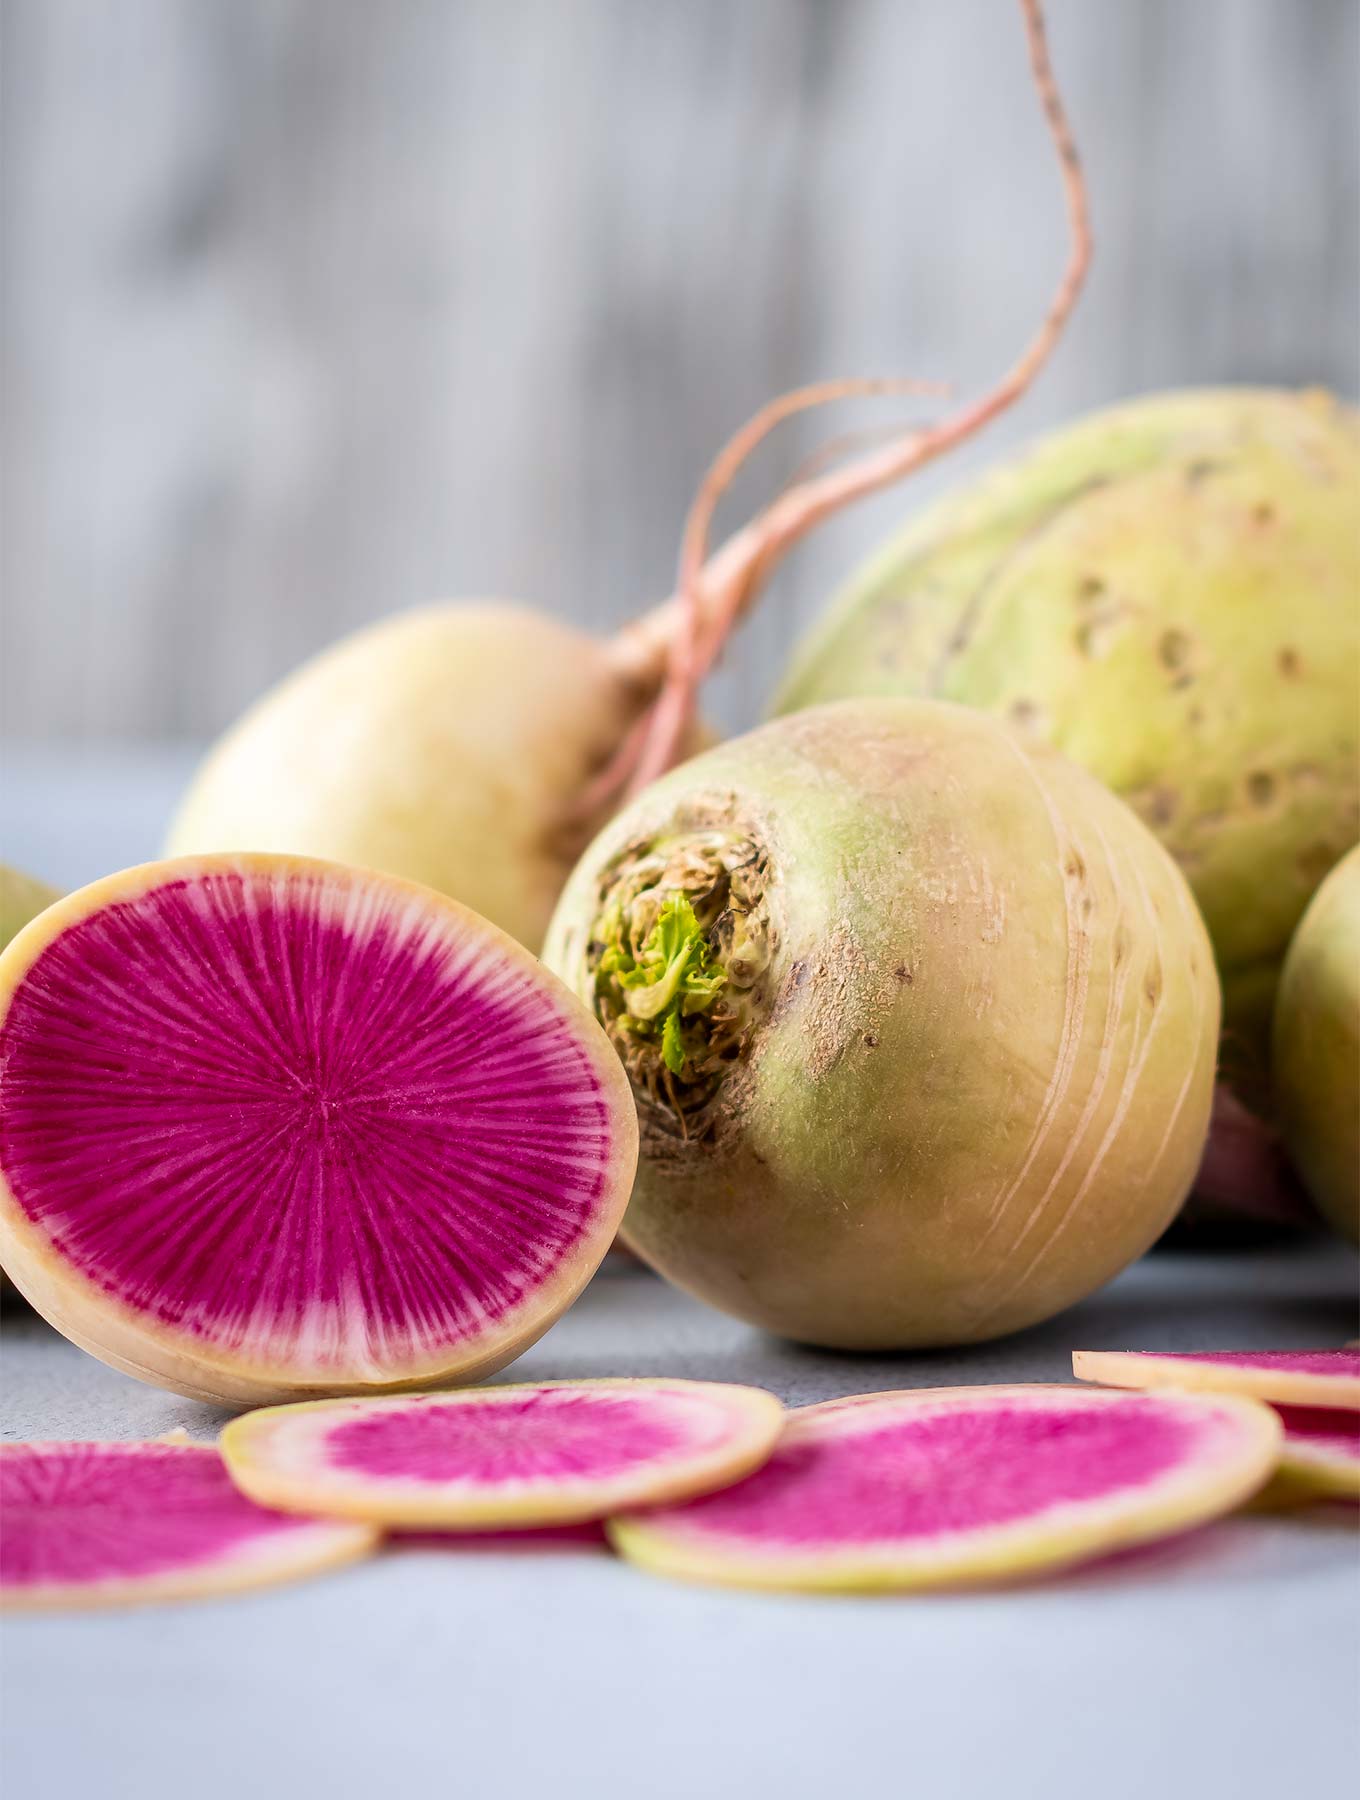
x: 316, y: 308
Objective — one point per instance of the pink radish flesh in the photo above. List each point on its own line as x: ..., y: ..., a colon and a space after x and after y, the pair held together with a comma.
x: 308, y: 1121
x: 951, y: 1472
x: 1321, y: 1452
x: 540, y: 1434
x: 930, y: 1488
x: 88, y: 1518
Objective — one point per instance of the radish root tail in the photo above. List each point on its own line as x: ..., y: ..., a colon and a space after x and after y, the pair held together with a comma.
x: 677, y: 643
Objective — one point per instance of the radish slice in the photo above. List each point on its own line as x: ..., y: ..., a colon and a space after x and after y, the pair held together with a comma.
x: 120, y: 1524
x: 1291, y: 1377
x: 554, y: 1453
x: 945, y: 1487
x: 1321, y: 1455
x: 274, y: 1128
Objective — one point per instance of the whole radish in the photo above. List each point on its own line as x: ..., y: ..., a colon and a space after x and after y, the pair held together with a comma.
x: 921, y: 1024
x: 1166, y: 592
x: 1317, y: 1047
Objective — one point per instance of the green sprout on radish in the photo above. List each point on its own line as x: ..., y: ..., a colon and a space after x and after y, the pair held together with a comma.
x: 671, y: 978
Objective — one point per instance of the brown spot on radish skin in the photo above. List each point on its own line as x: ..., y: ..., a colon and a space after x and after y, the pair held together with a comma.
x: 1287, y: 662
x: 1261, y: 787
x: 1199, y: 471
x: 870, y: 1041
x: 1263, y: 513
x: 1152, y: 986
x: 903, y: 973
x: 1157, y: 806
x: 1089, y: 589
x: 1097, y: 634
x: 1173, y: 649
x: 1027, y: 717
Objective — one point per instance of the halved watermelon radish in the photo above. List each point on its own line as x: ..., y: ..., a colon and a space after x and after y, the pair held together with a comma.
x: 126, y: 1523
x: 272, y: 1128
x: 1289, y: 1377
x: 943, y: 1487
x: 556, y: 1452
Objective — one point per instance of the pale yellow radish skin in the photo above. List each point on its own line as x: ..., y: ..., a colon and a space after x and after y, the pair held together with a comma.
x: 450, y: 745
x: 1166, y: 592
x: 1317, y: 1047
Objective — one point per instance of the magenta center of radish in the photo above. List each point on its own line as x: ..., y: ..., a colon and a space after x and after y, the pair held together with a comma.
x: 90, y: 1512
x: 1325, y: 1427
x: 545, y: 1436
x: 295, y: 1116
x: 938, y: 1474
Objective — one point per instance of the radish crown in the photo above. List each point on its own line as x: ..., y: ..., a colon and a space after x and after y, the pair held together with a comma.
x: 678, y: 955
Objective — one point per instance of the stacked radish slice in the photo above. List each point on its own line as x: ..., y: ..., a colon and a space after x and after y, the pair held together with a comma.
x: 1315, y: 1393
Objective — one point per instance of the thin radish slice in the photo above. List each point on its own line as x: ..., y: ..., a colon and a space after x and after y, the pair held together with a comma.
x: 1289, y: 1377
x: 556, y: 1452
x: 1320, y: 1458
x: 944, y: 1487
x: 122, y: 1524
x: 272, y: 1128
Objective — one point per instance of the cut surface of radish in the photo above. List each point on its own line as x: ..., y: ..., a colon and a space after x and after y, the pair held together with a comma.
x: 126, y: 1523
x: 1289, y: 1377
x: 1320, y: 1457
x: 500, y: 1457
x: 942, y: 1487
x: 272, y: 1128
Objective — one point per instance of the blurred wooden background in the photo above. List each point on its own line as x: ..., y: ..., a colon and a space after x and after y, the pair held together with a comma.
x: 317, y: 308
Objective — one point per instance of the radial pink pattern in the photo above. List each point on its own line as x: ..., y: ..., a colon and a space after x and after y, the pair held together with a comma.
x: 540, y: 1434
x: 299, y: 1114
x: 929, y: 1474
x: 85, y: 1513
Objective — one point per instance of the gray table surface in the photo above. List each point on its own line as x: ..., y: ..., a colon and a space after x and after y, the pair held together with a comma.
x: 1223, y: 1665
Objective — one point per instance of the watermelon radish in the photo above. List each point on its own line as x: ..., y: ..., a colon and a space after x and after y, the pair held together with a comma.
x: 271, y: 1128
x: 921, y: 1025
x: 942, y: 1487
x: 556, y: 1452
x: 1287, y: 1377
x: 1320, y: 1458
x: 118, y: 1524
